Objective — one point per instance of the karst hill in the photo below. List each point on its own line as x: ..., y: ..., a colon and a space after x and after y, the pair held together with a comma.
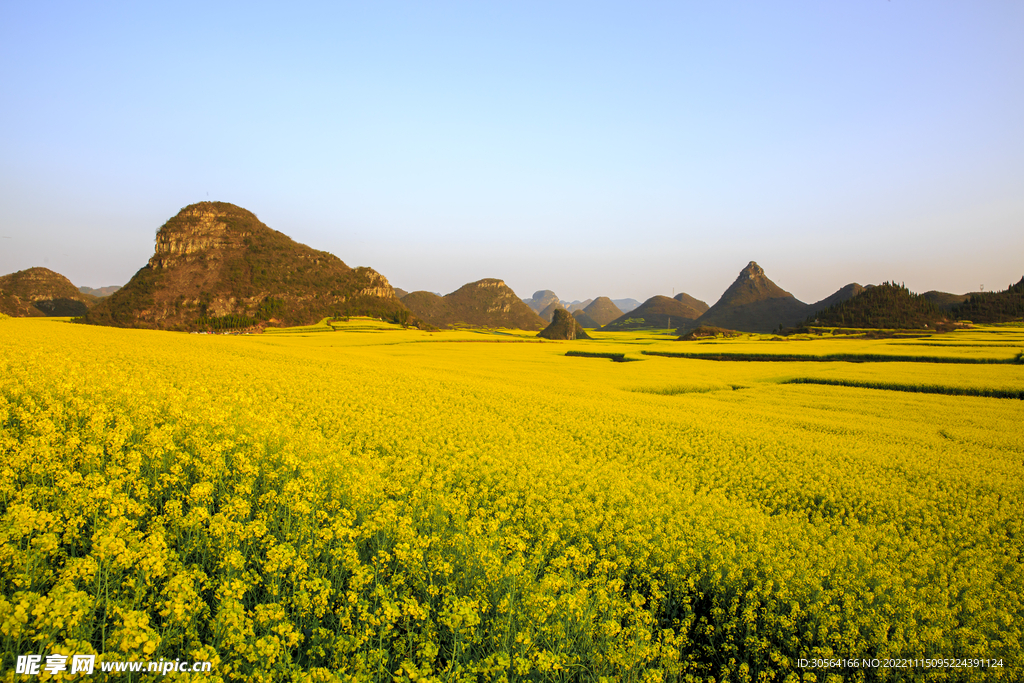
x: 585, y: 320
x: 602, y: 311
x: 548, y: 313
x: 484, y: 303
x: 887, y: 305
x: 993, y: 307
x: 659, y: 312
x: 217, y: 266
x: 752, y: 303
x: 38, y: 292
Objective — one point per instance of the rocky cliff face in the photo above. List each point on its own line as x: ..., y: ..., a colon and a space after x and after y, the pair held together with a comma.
x: 199, y: 235
x: 215, y: 264
x: 376, y: 284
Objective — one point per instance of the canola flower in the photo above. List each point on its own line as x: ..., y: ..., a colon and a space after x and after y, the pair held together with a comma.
x: 396, y: 506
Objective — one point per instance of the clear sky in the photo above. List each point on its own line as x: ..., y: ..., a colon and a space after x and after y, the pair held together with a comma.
x: 624, y: 149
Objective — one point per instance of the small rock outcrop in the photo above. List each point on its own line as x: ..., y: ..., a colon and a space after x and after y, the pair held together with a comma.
x: 564, y: 327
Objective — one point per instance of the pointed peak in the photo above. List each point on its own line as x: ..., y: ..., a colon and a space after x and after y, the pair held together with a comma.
x: 752, y: 270
x: 751, y: 285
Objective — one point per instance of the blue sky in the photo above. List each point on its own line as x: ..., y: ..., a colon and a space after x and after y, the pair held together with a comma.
x: 591, y: 148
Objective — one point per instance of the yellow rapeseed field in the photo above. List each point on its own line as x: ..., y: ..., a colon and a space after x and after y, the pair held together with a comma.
x: 357, y: 502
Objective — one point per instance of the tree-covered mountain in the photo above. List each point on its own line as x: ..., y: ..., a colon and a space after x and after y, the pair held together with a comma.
x: 945, y: 300
x: 885, y: 306
x: 993, y: 307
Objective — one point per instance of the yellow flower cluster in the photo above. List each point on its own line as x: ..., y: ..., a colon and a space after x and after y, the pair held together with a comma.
x: 399, y: 507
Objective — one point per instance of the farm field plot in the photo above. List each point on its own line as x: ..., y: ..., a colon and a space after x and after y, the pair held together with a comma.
x: 372, y: 503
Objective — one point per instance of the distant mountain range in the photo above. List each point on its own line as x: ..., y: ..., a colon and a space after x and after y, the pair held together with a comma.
x: 216, y: 266
x: 577, y: 305
x: 543, y: 299
x: 101, y: 292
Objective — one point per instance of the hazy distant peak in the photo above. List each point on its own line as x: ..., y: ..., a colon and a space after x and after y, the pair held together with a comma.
x: 549, y: 311
x: 541, y: 300
x: 99, y: 292
x: 626, y: 305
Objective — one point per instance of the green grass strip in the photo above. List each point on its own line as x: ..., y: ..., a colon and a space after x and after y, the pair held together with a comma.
x: 615, y: 357
x: 846, y: 357
x: 913, y: 388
